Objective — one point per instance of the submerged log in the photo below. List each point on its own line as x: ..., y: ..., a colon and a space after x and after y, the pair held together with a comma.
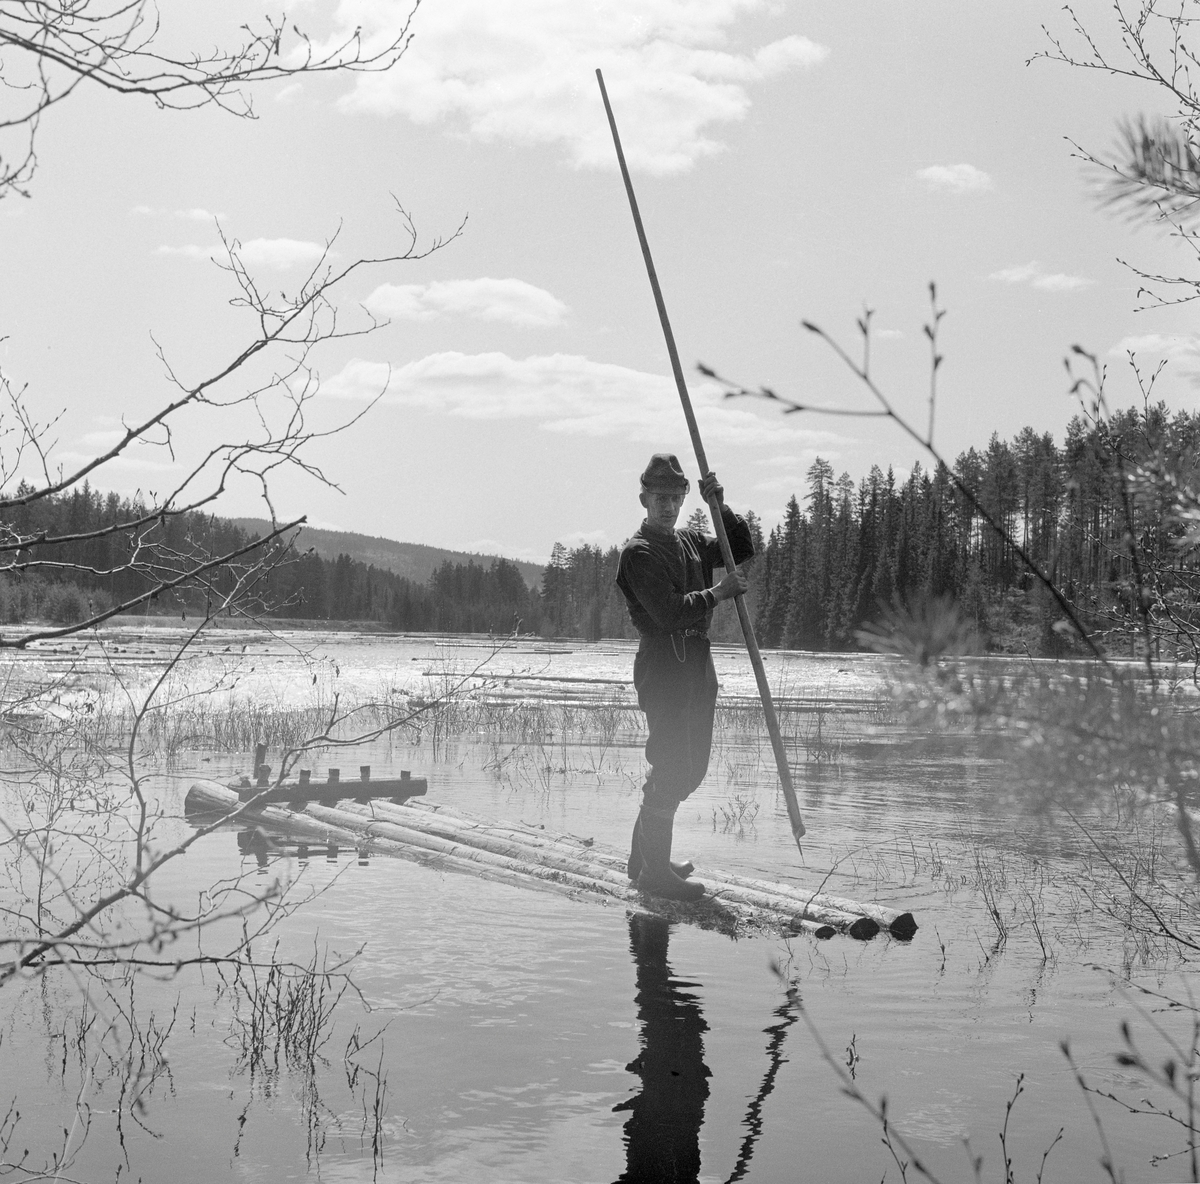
x: 523, y: 855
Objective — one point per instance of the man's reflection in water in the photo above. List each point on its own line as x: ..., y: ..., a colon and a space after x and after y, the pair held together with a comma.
x: 663, y: 1132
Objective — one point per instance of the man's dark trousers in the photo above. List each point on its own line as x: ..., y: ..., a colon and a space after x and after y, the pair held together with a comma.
x: 677, y: 689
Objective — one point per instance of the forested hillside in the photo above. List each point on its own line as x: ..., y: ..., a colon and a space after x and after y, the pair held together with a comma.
x: 1098, y: 514
x: 414, y: 561
x: 64, y: 581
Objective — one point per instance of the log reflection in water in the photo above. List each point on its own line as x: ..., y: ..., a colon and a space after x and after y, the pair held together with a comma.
x: 662, y: 1135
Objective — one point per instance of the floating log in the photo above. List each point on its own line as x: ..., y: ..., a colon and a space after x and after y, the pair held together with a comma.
x: 209, y: 800
x: 901, y: 925
x: 431, y: 816
x: 518, y: 854
x: 565, y: 851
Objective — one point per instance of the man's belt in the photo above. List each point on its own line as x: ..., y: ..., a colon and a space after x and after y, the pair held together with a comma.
x: 701, y: 633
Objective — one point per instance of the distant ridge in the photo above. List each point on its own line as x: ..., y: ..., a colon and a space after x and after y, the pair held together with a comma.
x: 414, y: 561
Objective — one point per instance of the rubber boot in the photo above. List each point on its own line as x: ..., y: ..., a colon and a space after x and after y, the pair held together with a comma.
x: 657, y: 877
x: 634, y: 867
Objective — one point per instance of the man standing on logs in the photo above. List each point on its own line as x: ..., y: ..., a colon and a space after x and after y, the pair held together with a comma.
x: 665, y: 575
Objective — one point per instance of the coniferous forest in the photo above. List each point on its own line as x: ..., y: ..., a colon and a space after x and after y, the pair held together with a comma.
x: 1091, y: 513
x: 64, y: 581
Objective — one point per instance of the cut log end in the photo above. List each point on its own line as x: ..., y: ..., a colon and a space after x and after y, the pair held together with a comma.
x: 903, y: 927
x: 863, y: 929
x: 812, y: 928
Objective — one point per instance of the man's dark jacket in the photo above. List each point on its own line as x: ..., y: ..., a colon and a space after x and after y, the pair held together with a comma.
x: 664, y: 576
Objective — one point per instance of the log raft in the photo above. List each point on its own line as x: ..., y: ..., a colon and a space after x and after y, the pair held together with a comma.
x: 522, y: 855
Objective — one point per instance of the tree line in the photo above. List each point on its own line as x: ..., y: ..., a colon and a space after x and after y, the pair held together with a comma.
x: 73, y: 554
x: 1099, y: 515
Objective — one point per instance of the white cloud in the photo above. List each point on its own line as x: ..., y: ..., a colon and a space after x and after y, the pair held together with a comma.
x: 288, y: 93
x: 281, y: 253
x: 1171, y: 346
x: 1058, y: 282
x: 1031, y: 273
x: 142, y: 455
x: 588, y: 538
x: 527, y: 554
x: 1016, y: 275
x: 102, y: 439
x: 787, y: 472
x: 193, y: 214
x: 956, y: 178
x: 568, y: 394
x: 510, y: 300
x: 71, y: 460
x: 795, y: 481
x: 276, y: 253
x: 524, y: 71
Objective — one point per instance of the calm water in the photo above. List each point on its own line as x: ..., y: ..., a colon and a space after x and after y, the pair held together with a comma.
x: 526, y: 1037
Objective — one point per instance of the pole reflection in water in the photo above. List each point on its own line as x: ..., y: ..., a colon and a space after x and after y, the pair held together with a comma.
x: 662, y: 1136
x: 788, y: 1012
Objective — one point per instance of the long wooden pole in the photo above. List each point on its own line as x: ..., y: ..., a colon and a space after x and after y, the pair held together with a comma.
x: 760, y: 674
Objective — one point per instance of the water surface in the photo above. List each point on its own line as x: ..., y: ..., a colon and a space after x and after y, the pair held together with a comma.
x: 527, y: 1037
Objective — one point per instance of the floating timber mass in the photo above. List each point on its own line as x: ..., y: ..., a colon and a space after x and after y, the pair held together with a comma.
x: 528, y: 857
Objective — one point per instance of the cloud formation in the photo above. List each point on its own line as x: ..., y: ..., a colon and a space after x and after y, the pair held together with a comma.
x: 512, y: 301
x: 278, y: 254
x: 194, y: 214
x: 956, y: 178
x: 489, y: 546
x: 1174, y: 347
x: 523, y: 71
x: 128, y: 461
x: 1032, y: 274
x: 567, y: 394
x: 281, y: 253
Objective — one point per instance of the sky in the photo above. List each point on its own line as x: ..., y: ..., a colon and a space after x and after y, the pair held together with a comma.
x: 793, y: 161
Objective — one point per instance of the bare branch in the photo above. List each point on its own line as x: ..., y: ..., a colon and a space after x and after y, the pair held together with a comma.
x: 50, y: 50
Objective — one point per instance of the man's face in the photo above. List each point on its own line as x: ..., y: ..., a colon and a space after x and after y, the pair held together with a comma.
x: 663, y: 506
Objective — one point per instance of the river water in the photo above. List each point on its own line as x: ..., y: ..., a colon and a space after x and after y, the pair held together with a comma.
x: 502, y: 1035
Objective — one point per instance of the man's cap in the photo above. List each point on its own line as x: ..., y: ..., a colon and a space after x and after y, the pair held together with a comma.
x: 665, y: 472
